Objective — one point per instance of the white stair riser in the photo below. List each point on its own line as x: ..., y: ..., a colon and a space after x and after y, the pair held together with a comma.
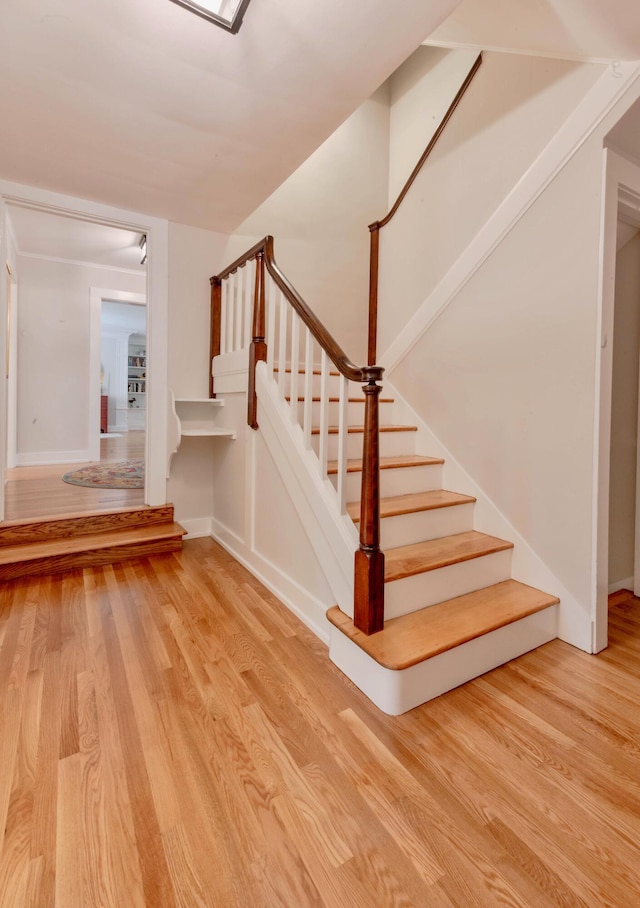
x: 405, y: 529
x: 355, y: 413
x: 420, y: 590
x: 391, y: 444
x: 401, y: 481
x: 396, y: 692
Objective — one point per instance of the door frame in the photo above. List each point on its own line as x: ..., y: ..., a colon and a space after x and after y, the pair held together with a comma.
x: 98, y: 295
x: 620, y: 176
x: 157, y: 232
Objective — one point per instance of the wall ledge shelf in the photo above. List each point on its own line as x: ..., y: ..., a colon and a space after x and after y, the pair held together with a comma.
x: 204, y: 433
x: 195, y: 417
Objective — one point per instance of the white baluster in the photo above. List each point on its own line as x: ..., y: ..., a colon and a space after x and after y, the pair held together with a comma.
x: 323, y: 448
x: 249, y: 284
x: 239, y: 318
x: 270, y: 302
x: 224, y: 315
x: 295, y: 364
x: 282, y: 345
x: 343, y: 435
x: 232, y: 311
x: 308, y: 388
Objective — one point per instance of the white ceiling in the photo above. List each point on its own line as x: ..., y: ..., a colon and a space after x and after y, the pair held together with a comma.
x: 571, y: 29
x: 47, y: 235
x: 143, y: 105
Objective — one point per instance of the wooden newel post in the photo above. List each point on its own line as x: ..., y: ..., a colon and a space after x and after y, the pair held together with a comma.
x: 374, y: 229
x: 368, y: 613
x: 216, y: 319
x: 258, y: 349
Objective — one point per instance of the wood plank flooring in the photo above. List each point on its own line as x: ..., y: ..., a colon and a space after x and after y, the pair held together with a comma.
x: 170, y: 735
x: 39, y: 491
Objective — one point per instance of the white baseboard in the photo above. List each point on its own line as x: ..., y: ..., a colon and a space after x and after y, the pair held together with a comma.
x: 46, y: 458
x: 118, y: 427
x: 196, y: 527
x: 626, y: 584
x: 307, y: 608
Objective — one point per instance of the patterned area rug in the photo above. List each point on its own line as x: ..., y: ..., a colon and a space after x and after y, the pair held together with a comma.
x: 126, y: 475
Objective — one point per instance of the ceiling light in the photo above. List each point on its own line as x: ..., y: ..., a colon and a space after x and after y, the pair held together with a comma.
x: 225, y: 13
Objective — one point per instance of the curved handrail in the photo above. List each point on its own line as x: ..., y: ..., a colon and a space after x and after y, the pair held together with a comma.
x: 376, y: 226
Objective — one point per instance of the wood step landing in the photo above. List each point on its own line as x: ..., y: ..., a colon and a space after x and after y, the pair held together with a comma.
x: 421, y: 635
x: 71, y: 541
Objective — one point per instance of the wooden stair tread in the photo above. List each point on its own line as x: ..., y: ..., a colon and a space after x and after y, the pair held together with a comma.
x: 413, y: 502
x: 407, y: 560
x: 351, y: 400
x: 388, y: 463
x: 12, y: 554
x: 413, y: 638
x: 355, y: 430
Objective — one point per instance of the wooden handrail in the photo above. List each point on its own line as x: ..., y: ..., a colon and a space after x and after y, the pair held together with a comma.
x: 328, y: 343
x: 375, y: 228
x: 369, y: 559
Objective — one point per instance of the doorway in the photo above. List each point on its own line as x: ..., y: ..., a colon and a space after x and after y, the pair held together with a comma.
x: 618, y: 475
x: 13, y: 196
x: 57, y: 366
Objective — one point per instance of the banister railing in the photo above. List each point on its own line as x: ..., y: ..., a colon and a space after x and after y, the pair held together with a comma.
x: 375, y: 228
x: 287, y: 335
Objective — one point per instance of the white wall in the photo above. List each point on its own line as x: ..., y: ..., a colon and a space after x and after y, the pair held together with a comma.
x: 420, y: 92
x: 194, y: 255
x: 319, y: 218
x: 53, y: 354
x: 512, y: 109
x: 624, y: 414
x: 506, y: 375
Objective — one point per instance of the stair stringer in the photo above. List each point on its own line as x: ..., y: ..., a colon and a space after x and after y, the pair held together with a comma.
x: 527, y: 566
x: 332, y: 535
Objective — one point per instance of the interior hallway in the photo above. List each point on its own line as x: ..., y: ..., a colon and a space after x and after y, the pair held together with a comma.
x: 171, y: 735
x: 34, y: 492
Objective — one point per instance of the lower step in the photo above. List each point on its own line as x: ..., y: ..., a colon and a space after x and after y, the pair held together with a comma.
x: 18, y: 532
x: 424, y: 654
x: 89, y: 549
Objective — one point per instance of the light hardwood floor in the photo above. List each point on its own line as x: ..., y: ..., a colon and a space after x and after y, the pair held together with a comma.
x: 170, y: 735
x: 35, y: 492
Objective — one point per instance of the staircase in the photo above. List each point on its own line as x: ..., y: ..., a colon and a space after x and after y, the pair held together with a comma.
x: 452, y: 610
x: 30, y: 547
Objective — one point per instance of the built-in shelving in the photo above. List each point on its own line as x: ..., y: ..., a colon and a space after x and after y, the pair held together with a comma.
x: 196, y: 416
x: 136, y: 381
